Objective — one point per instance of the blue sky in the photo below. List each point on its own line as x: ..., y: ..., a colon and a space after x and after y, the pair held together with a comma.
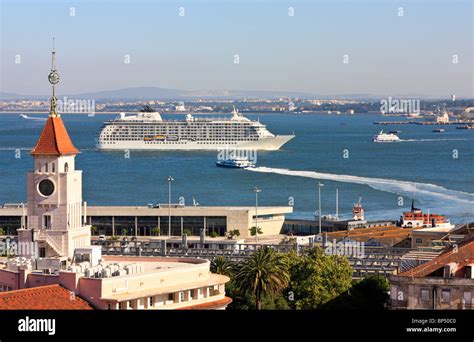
x: 388, y: 54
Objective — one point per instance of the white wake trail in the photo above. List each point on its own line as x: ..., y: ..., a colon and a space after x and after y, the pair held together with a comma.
x: 423, y: 190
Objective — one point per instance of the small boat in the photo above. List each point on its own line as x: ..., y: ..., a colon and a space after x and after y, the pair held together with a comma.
x: 385, y: 138
x: 395, y: 132
x: 439, y: 130
x: 237, y: 163
x: 465, y: 127
x: 24, y: 116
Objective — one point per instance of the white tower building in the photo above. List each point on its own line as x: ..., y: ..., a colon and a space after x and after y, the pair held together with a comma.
x: 54, y: 187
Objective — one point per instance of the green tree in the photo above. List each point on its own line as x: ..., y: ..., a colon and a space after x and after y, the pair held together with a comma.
x: 253, y: 229
x: 187, y: 232
x: 124, y: 232
x: 367, y: 294
x: 213, y: 234
x: 264, y: 273
x: 155, y: 231
x: 222, y: 265
x: 317, y: 278
x: 2, y: 232
x: 94, y: 230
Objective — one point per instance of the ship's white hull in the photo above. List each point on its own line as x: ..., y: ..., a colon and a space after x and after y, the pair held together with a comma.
x: 267, y: 144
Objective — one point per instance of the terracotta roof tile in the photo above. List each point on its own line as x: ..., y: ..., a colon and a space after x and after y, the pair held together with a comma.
x: 463, y: 254
x: 52, y: 297
x: 54, y: 139
x: 218, y: 304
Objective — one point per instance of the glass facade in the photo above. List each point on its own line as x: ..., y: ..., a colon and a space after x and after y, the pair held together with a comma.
x: 103, y: 225
x: 216, y: 224
x: 146, y: 225
x: 193, y: 224
x: 140, y: 225
x: 9, y: 224
x: 124, y: 225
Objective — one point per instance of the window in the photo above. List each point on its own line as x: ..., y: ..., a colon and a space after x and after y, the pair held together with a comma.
x: 53, y: 167
x: 467, y: 297
x: 446, y: 296
x: 66, y: 167
x: 181, y: 296
x: 425, y: 296
x: 170, y: 296
x: 151, y: 301
x: 418, y: 240
x: 46, y: 168
x: 46, y: 221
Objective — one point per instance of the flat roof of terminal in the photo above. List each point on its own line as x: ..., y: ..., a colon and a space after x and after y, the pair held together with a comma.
x: 123, y: 210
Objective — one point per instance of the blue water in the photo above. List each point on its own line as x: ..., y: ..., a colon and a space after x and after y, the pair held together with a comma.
x: 443, y: 184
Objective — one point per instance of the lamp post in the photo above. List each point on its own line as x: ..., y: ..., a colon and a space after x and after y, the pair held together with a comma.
x: 319, y: 202
x: 170, y: 179
x: 256, y: 190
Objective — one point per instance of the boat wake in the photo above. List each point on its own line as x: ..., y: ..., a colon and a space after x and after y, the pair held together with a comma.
x: 460, y: 203
x: 416, y: 140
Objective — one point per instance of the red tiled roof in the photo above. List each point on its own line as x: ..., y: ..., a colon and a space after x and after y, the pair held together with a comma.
x: 461, y: 254
x: 51, y: 297
x: 218, y: 304
x: 54, y: 139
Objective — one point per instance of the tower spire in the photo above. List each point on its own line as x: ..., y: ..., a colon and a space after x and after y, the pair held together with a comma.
x: 53, y: 78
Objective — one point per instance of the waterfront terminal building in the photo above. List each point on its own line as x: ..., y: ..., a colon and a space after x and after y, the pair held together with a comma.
x: 142, y: 220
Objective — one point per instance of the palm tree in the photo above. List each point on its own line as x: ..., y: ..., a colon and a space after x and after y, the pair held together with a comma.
x: 265, y: 272
x: 222, y: 265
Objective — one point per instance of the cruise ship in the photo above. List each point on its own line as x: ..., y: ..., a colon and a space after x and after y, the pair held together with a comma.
x: 148, y: 131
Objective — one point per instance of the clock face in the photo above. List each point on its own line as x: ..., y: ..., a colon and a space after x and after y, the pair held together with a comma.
x: 53, y: 77
x: 46, y: 187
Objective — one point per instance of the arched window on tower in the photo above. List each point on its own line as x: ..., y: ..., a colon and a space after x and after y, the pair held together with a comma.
x: 66, y: 167
x: 46, y: 168
x: 39, y: 167
x: 53, y: 169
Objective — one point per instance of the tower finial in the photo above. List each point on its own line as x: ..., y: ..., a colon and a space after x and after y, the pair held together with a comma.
x: 53, y: 78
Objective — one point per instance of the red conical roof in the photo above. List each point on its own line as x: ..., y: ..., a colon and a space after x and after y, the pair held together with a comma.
x: 54, y: 140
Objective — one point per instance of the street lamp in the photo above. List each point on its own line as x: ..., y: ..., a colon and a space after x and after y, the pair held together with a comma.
x: 170, y: 179
x: 319, y: 202
x: 256, y: 190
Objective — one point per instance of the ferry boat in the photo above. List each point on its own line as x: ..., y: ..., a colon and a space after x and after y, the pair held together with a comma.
x: 148, y: 131
x: 415, y: 218
x: 439, y: 130
x: 384, y: 137
x: 236, y: 163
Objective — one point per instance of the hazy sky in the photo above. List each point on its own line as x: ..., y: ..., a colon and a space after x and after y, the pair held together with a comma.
x: 388, y: 53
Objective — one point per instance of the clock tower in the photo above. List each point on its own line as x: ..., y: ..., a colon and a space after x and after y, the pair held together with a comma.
x: 54, y: 209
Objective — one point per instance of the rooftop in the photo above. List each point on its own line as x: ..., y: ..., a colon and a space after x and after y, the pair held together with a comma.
x: 52, y: 297
x: 54, y: 139
x: 461, y: 254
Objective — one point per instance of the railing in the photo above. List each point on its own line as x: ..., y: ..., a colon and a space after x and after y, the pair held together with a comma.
x: 43, y: 235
